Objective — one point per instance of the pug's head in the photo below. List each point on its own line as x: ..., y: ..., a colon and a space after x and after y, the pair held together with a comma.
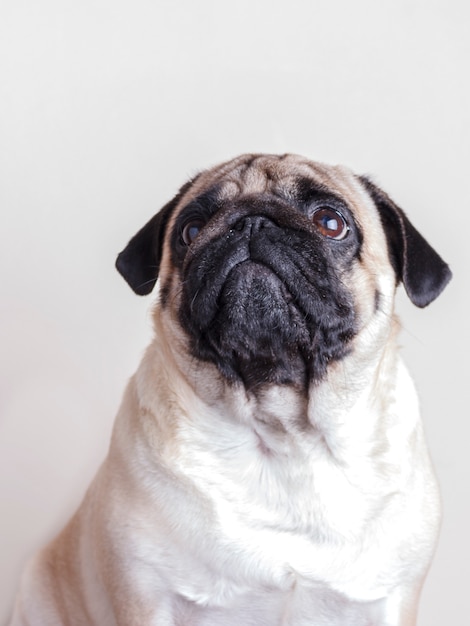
x: 272, y: 265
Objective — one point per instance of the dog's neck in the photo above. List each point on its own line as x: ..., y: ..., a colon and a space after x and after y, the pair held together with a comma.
x: 342, y: 409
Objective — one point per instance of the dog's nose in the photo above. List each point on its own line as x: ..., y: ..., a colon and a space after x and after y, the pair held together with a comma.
x: 251, y: 224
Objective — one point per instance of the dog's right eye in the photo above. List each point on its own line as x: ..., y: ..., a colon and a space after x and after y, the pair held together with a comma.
x: 191, y: 230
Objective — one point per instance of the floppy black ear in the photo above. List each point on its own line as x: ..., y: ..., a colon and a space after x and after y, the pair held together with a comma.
x: 139, y: 262
x: 423, y: 273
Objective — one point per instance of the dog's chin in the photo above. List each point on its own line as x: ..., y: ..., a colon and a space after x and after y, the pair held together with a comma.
x: 259, y: 333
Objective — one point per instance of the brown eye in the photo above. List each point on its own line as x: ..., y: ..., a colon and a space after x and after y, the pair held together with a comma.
x: 191, y: 230
x: 330, y: 223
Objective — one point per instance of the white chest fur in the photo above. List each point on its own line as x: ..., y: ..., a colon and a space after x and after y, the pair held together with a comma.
x: 249, y: 505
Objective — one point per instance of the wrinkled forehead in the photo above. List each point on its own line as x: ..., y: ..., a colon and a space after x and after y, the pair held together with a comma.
x: 287, y: 176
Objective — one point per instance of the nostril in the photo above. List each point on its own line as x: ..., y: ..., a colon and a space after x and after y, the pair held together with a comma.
x: 240, y: 225
x: 251, y: 223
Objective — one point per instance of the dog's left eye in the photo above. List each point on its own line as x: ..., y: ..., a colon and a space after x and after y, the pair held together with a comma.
x: 330, y: 223
x: 191, y: 230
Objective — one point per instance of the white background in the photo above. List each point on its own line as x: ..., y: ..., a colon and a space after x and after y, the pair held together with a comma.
x: 107, y: 106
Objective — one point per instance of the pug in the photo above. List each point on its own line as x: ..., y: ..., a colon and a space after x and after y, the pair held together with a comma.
x: 268, y: 464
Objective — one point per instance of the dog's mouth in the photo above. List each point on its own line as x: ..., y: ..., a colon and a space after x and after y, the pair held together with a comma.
x: 259, y: 329
x: 264, y: 304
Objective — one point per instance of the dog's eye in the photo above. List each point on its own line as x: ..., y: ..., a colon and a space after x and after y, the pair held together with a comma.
x: 191, y: 230
x: 330, y: 223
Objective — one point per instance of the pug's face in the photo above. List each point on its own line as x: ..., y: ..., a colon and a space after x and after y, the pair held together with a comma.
x: 272, y: 265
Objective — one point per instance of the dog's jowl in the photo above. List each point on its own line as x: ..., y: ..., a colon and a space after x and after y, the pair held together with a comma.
x: 268, y: 464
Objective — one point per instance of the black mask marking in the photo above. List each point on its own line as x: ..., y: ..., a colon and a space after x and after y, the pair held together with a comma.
x: 262, y: 297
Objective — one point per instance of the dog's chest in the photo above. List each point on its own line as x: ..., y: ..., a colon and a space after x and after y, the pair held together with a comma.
x: 285, y: 544
x: 299, y: 606
x: 282, y: 520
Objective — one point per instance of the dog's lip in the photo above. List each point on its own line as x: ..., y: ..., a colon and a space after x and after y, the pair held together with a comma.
x: 257, y: 269
x: 259, y: 266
